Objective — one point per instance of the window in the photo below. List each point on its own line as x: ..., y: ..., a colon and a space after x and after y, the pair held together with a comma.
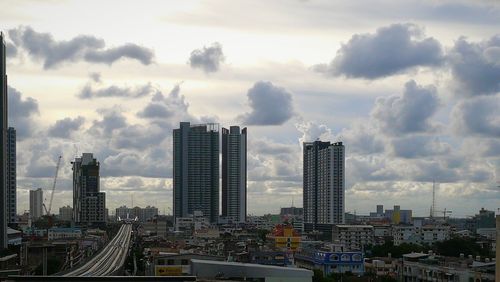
x: 345, y: 257
x: 184, y: 262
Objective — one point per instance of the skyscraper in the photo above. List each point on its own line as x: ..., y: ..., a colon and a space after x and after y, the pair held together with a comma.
x: 3, y: 144
x: 234, y: 173
x: 196, y: 170
x: 36, y: 203
x: 89, y: 204
x: 11, y: 176
x: 324, y: 182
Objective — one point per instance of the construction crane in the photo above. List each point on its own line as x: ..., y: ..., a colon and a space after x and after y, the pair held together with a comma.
x: 48, y: 211
x: 54, y: 184
x: 445, y: 213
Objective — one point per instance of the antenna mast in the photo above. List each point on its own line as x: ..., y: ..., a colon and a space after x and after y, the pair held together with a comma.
x: 433, y: 207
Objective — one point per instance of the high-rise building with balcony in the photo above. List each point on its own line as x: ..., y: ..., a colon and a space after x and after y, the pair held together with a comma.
x: 89, y: 203
x: 196, y: 170
x: 11, y: 176
x: 3, y: 144
x: 234, y: 173
x: 324, y: 182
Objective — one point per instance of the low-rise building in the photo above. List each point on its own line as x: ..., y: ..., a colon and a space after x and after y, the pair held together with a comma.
x: 285, y: 237
x: 175, y: 264
x: 330, y: 261
x: 66, y: 213
x: 353, y: 237
x: 270, y: 258
x: 14, y: 237
x: 429, y: 267
x: 56, y: 233
x: 211, y: 270
x: 382, y: 266
x: 427, y: 234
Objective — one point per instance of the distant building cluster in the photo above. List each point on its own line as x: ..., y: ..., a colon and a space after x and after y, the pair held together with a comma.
x: 136, y: 213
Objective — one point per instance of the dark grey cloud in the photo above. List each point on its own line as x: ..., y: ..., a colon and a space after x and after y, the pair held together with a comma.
x: 11, y: 50
x: 166, y: 106
x: 42, y: 159
x: 370, y: 168
x: 129, y: 50
x: 89, y: 92
x: 208, y: 59
x: 42, y: 46
x: 139, y: 136
x: 486, y: 147
x: 271, y: 105
x: 409, y: 113
x: 128, y: 163
x: 478, y: 116
x: 476, y: 66
x: 271, y: 161
x: 362, y: 139
x: 21, y: 113
x: 418, y: 146
x: 112, y: 119
x: 389, y: 51
x: 432, y: 170
x: 95, y: 77
x: 63, y: 128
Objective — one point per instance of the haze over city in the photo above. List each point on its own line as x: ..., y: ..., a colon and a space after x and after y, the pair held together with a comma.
x: 411, y: 88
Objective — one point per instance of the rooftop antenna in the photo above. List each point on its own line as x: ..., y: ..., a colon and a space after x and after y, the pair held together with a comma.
x: 292, y: 201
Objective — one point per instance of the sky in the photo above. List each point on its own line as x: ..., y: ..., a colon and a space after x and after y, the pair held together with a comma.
x: 412, y: 88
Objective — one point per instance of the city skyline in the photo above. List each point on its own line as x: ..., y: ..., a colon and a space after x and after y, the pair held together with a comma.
x: 297, y: 72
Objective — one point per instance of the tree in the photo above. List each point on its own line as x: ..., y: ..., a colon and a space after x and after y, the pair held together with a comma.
x: 395, y: 251
x: 456, y: 246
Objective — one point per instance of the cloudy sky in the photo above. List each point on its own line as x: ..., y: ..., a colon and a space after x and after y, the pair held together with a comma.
x: 411, y: 87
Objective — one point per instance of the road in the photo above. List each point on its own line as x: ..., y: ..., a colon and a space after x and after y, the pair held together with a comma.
x: 110, y: 259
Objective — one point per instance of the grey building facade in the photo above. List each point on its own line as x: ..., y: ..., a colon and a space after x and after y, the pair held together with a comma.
x: 234, y: 173
x: 196, y: 170
x: 66, y: 213
x: 11, y: 177
x: 3, y: 144
x: 89, y: 203
x: 324, y: 182
x: 36, y: 203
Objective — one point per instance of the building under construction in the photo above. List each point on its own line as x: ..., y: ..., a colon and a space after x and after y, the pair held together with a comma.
x: 89, y: 204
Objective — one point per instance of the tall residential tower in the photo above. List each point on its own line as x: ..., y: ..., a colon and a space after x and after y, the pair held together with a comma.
x: 234, y: 173
x: 89, y: 203
x: 36, y: 203
x: 11, y: 177
x: 196, y: 170
x: 3, y: 145
x: 324, y: 182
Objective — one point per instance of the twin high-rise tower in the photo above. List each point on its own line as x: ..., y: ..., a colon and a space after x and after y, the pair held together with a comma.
x: 234, y: 173
x: 196, y: 171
